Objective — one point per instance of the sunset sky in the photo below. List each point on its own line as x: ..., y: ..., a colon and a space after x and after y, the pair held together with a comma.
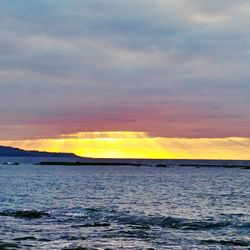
x: 170, y: 79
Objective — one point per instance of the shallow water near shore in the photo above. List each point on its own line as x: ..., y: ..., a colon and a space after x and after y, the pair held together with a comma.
x: 124, y: 207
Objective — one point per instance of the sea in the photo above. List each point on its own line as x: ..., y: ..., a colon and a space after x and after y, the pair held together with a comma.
x: 153, y: 205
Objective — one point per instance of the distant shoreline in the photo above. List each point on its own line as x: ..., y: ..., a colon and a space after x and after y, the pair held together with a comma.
x: 142, y: 164
x: 15, y: 156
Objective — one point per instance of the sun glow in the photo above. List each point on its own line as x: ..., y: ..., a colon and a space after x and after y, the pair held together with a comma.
x: 126, y: 144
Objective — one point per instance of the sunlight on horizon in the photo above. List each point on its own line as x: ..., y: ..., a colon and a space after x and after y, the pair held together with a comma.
x: 127, y: 144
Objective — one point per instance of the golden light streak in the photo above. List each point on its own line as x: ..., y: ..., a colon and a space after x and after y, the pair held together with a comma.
x: 106, y: 135
x: 126, y: 144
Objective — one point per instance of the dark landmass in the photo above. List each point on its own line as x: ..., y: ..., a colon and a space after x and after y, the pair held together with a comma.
x: 15, y: 156
x: 214, y: 165
x: 89, y: 163
x: 112, y: 162
x: 247, y: 167
x: 16, y: 152
x: 8, y: 246
x: 32, y: 214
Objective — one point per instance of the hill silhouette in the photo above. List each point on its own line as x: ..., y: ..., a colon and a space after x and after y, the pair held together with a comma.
x: 16, y: 152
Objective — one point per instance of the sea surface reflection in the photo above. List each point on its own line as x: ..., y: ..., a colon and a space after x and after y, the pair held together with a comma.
x: 123, y: 207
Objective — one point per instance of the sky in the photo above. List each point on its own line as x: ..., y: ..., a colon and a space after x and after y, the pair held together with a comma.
x: 169, y: 69
x: 126, y: 144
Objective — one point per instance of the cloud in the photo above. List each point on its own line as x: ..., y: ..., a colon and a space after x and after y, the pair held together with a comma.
x: 76, y: 61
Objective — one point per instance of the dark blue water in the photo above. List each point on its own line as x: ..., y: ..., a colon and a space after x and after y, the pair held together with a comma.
x: 105, y: 207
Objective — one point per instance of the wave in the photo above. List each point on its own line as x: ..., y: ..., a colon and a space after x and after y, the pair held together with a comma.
x: 100, y: 217
x: 95, y: 215
x: 171, y: 222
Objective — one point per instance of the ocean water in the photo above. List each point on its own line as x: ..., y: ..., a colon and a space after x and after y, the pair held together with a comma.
x: 124, y: 207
